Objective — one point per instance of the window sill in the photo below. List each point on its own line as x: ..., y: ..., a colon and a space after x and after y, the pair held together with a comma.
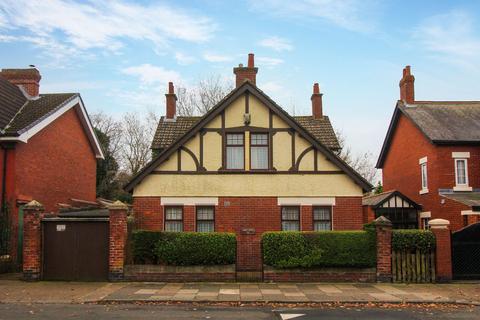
x: 462, y: 188
x: 423, y: 191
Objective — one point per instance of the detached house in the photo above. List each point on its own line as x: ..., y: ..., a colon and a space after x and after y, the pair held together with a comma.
x: 432, y: 155
x: 48, y: 151
x: 247, y: 166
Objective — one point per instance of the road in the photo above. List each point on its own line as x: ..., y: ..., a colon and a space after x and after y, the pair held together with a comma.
x: 132, y: 311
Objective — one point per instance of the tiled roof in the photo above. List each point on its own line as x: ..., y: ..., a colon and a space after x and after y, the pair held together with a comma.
x: 471, y: 199
x: 375, y: 199
x: 456, y: 121
x: 17, y: 113
x: 168, y: 131
x: 35, y: 110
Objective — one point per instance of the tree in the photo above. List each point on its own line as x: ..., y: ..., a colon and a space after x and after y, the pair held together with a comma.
x: 363, y: 163
x: 107, y: 185
x: 204, y: 96
x: 111, y: 128
x: 136, y: 141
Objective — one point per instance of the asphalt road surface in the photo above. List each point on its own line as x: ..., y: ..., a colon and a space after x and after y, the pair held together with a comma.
x: 132, y: 311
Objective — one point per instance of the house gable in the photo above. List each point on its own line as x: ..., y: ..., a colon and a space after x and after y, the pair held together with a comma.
x: 201, y: 152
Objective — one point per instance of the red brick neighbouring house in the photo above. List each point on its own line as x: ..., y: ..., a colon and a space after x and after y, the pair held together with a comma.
x: 48, y: 149
x: 247, y: 166
x: 432, y: 155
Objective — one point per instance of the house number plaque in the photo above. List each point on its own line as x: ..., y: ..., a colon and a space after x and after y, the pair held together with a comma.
x: 61, y: 227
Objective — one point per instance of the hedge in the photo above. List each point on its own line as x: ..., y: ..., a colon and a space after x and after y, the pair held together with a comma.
x: 183, y: 248
x: 411, y: 240
x: 319, y: 249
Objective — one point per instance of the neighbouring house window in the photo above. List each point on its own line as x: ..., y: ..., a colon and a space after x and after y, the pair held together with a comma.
x: 423, y: 168
x: 290, y: 218
x: 174, y: 219
x: 259, y: 151
x: 205, y: 219
x: 425, y: 225
x: 235, y: 151
x: 461, y: 175
x: 322, y: 218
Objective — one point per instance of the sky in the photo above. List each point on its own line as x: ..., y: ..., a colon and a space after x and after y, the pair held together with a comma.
x: 120, y: 55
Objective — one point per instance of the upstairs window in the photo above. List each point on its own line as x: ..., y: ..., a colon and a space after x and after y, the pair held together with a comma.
x: 174, y: 219
x: 322, y: 218
x: 290, y: 218
x: 259, y: 151
x: 235, y: 151
x: 461, y: 175
x: 205, y: 219
x: 423, y: 168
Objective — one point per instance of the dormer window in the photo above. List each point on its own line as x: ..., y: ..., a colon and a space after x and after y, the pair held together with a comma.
x: 461, y: 171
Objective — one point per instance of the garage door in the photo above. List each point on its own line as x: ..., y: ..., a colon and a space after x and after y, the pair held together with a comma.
x: 75, y: 249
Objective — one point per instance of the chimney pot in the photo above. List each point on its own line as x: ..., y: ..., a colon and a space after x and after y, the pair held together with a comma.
x: 246, y: 73
x: 317, y: 104
x: 171, y: 98
x: 407, y: 87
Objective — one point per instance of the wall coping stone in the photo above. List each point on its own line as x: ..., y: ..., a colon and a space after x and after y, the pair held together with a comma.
x: 154, y: 268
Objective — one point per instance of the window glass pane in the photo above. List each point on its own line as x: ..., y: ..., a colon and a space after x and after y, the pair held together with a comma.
x: 322, y: 226
x: 205, y: 226
x: 424, y: 175
x: 259, y: 157
x: 461, y: 177
x: 290, y: 213
x: 259, y: 139
x: 321, y: 213
x: 235, y: 139
x: 290, y: 226
x: 205, y: 213
x: 173, y: 213
x: 174, y: 226
x: 235, y: 158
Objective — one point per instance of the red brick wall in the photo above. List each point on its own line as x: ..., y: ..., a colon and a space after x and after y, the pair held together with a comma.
x: 249, y: 218
x: 117, y: 241
x: 401, y: 171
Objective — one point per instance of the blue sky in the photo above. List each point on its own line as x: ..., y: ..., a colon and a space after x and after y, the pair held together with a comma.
x: 120, y: 55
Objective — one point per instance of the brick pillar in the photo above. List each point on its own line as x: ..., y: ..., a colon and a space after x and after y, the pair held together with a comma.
x: 33, y: 213
x: 307, y: 218
x: 383, y: 228
x: 189, y: 218
x: 443, y: 256
x: 118, y: 239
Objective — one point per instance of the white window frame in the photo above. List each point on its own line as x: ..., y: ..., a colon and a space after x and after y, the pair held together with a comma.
x: 461, y: 186
x: 424, y: 182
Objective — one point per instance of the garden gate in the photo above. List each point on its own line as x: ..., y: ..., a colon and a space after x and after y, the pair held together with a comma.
x: 466, y: 252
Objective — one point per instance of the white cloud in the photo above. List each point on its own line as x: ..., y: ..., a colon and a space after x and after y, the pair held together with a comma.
x: 450, y: 37
x: 268, y: 61
x: 151, y: 75
x: 102, y: 24
x: 354, y: 15
x: 212, y: 57
x: 272, y: 87
x: 184, y: 59
x: 276, y: 43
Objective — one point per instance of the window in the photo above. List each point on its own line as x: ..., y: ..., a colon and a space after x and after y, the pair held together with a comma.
x: 205, y: 219
x: 425, y: 224
x: 461, y: 176
x: 174, y: 219
x: 322, y: 218
x: 290, y: 218
x: 423, y: 168
x: 259, y: 151
x: 235, y: 151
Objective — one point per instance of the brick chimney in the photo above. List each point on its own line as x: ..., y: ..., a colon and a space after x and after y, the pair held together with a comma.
x: 28, y: 79
x: 171, y: 102
x: 317, y: 107
x: 246, y: 73
x: 407, y: 90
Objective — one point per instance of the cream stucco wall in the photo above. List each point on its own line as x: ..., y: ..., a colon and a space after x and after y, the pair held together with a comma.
x: 291, y: 185
x: 259, y: 113
x: 282, y: 151
x: 234, y: 113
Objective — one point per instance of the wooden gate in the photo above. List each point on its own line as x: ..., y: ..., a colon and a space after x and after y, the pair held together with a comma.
x: 413, y: 266
x: 75, y: 249
x: 466, y: 252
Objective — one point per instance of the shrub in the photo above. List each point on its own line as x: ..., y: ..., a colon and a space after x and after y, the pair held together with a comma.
x: 411, y: 240
x: 319, y: 249
x: 196, y: 248
x: 143, y: 246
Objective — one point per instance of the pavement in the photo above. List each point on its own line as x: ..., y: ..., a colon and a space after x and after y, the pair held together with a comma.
x: 16, y: 291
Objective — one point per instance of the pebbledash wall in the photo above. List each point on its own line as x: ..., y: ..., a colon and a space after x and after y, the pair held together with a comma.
x: 401, y: 171
x: 248, y: 218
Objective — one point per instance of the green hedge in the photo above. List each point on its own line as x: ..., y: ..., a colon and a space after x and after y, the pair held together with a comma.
x: 319, y: 249
x: 183, y: 248
x: 411, y: 240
